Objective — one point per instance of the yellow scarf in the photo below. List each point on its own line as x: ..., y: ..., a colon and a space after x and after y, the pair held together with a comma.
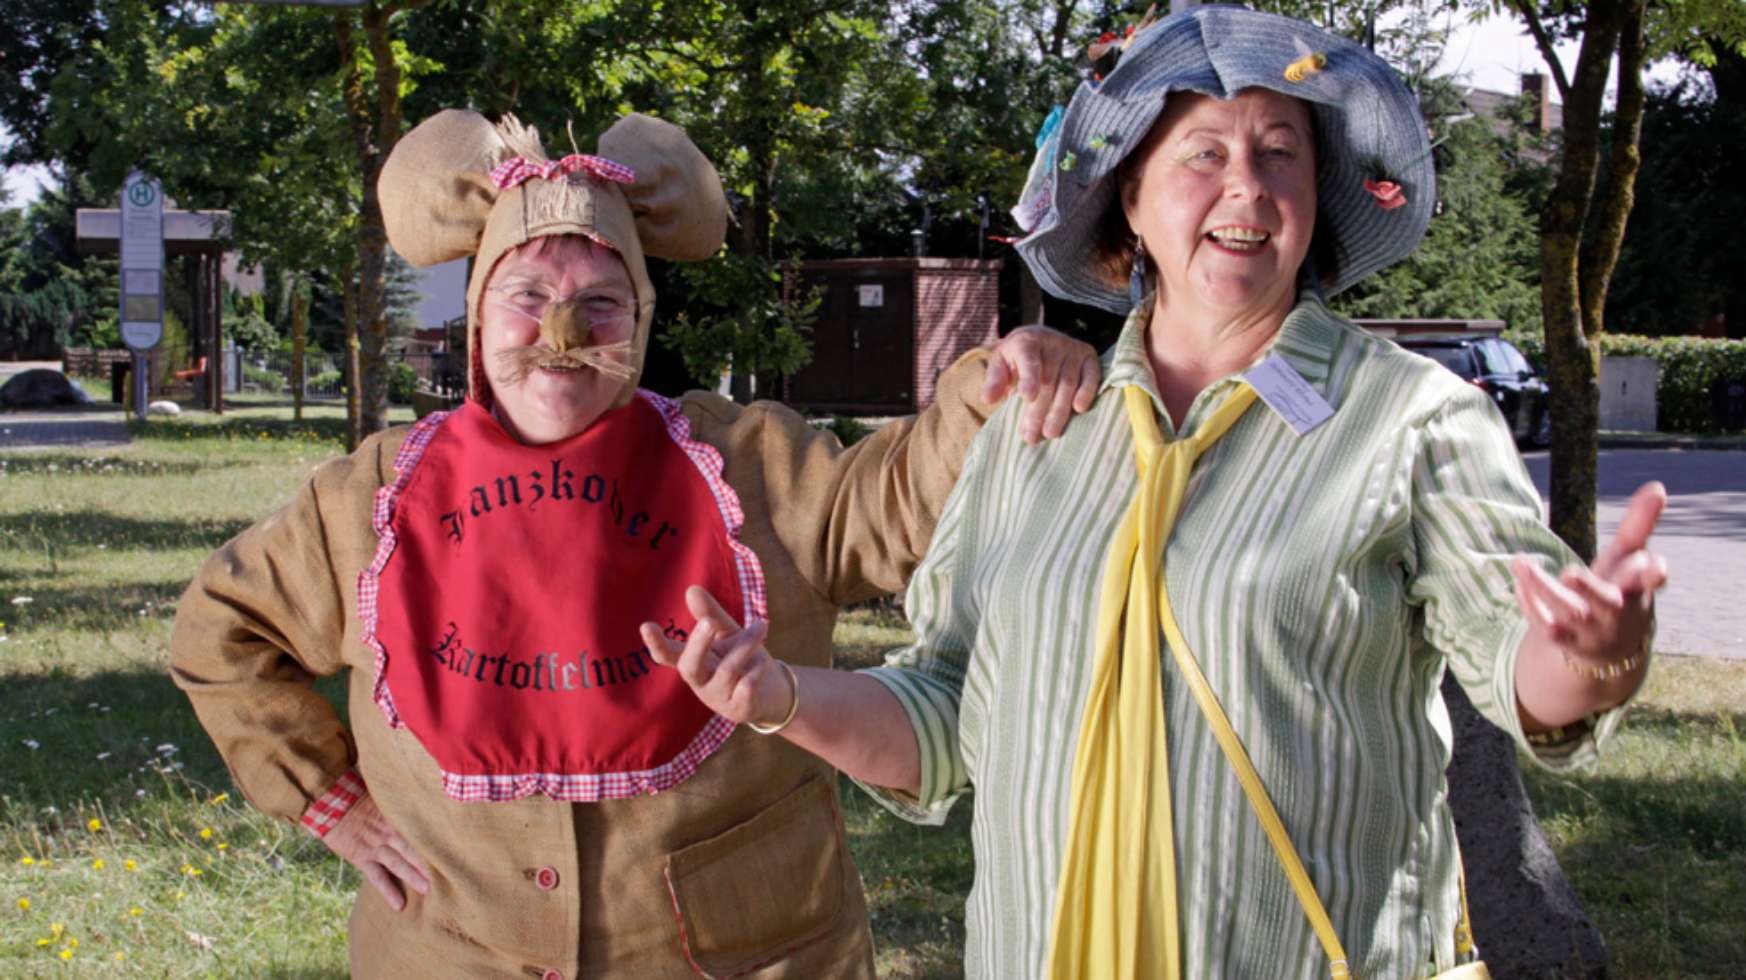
x: 1116, y: 913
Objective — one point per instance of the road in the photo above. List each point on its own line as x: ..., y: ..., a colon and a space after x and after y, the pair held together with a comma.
x: 1702, y: 534
x: 89, y: 428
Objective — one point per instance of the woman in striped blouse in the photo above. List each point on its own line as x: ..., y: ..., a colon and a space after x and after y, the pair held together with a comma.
x: 1261, y: 548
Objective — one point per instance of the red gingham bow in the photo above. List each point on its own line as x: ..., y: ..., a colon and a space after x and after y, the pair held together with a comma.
x: 516, y: 170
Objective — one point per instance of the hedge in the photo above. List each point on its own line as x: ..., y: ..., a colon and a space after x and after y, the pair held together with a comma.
x: 1691, y: 367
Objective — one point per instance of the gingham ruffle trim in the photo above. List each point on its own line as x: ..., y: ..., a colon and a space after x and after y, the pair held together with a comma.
x: 518, y: 170
x: 566, y: 787
x: 709, y: 464
x: 382, y: 521
x: 328, y: 809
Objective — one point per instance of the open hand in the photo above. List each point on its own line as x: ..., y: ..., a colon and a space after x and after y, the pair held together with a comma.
x: 368, y: 842
x: 726, y: 666
x: 1601, y: 614
x: 1056, y: 375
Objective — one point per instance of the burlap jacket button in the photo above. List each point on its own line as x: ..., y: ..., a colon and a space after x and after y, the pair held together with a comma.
x: 547, y: 879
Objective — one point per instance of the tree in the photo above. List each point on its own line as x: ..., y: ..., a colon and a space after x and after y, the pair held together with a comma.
x: 371, y: 79
x: 51, y: 297
x: 1576, y: 268
x: 1671, y: 275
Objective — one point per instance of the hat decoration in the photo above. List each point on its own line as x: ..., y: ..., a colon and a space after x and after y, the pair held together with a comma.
x: 1103, y: 53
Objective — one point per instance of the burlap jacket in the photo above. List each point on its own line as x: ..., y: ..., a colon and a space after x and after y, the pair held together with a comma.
x: 742, y: 870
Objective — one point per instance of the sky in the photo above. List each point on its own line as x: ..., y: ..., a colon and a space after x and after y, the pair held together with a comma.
x: 1494, y: 54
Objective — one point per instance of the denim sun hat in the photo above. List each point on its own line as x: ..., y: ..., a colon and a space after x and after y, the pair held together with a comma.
x: 1375, y: 180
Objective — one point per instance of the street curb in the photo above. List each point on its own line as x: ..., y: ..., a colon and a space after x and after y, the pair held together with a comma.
x: 1671, y: 440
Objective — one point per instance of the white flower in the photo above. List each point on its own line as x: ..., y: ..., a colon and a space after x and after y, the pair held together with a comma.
x: 22, y: 600
x: 103, y: 755
x: 32, y: 744
x: 167, y: 749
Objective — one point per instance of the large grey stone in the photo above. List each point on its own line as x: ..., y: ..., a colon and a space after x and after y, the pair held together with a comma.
x: 1526, y: 918
x: 41, y: 388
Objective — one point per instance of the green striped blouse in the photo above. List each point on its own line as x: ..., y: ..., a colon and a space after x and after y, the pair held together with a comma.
x: 1324, y: 582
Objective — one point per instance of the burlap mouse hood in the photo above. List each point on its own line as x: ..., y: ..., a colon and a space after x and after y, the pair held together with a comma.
x: 458, y: 185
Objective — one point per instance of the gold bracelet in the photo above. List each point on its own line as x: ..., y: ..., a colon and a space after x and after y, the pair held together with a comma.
x: 1612, y: 669
x: 793, y: 707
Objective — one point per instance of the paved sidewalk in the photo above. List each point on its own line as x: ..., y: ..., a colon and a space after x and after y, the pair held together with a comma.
x: 1702, y: 535
x: 45, y: 429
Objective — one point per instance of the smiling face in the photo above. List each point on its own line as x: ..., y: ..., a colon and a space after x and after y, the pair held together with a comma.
x: 1223, y: 194
x: 582, y: 295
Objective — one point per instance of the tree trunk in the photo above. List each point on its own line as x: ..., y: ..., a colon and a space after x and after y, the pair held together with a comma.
x: 299, y: 345
x: 354, y: 407
x: 375, y: 129
x: 1526, y: 917
x: 1570, y: 352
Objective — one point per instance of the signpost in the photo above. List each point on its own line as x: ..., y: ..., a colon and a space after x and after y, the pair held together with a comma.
x: 142, y: 276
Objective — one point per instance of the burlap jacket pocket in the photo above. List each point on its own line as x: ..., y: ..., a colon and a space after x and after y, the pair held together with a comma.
x: 760, y: 891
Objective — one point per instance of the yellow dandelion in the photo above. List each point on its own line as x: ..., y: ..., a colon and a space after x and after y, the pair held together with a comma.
x: 135, y: 912
x: 66, y: 955
x: 98, y: 865
x: 27, y: 860
x: 205, y: 833
x: 56, y: 928
x: 220, y: 798
x: 222, y: 845
x: 130, y: 865
x: 44, y: 941
x: 93, y: 825
x: 73, y: 943
x: 120, y: 956
x: 24, y: 905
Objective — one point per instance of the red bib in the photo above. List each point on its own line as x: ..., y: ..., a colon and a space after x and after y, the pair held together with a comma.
x: 508, y: 585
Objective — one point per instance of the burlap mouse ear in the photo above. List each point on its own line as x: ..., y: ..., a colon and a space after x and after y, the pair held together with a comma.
x: 436, y: 188
x: 680, y: 210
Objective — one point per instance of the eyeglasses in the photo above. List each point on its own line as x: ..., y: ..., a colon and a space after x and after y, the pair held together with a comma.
x: 610, y: 318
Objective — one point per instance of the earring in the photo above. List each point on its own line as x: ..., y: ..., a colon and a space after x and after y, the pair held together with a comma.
x: 1137, y: 278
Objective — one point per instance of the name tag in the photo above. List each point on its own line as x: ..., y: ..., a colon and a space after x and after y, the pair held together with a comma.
x: 1288, y: 394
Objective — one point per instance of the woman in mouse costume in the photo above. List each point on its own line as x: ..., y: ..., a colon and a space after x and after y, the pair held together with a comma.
x: 525, y: 793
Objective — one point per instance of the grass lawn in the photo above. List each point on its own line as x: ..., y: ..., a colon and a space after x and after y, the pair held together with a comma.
x: 124, y: 850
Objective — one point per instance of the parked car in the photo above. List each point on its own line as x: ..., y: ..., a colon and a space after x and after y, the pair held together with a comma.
x: 1496, y: 367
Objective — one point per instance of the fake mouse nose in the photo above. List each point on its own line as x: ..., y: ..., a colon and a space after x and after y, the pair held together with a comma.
x: 564, y: 326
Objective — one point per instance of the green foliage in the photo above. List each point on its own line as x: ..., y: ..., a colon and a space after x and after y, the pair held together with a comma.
x: 51, y: 297
x: 755, y: 319
x: 1675, y: 269
x: 246, y: 324
x: 1690, y: 368
x: 328, y: 380
x: 263, y: 379
x: 402, y: 382
x: 1480, y: 257
x: 847, y: 429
